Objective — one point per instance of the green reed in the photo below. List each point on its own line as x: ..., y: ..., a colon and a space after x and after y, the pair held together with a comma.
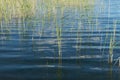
x: 112, y: 43
x: 16, y: 8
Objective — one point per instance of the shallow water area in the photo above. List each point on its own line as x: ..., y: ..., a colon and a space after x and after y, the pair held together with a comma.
x: 78, y: 49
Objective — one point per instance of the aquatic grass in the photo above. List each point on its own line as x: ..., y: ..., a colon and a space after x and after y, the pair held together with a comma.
x: 71, y: 3
x: 105, y: 42
x: 25, y: 8
x: 58, y: 33
x: 59, y: 42
x: 20, y: 9
x: 112, y: 43
x: 79, y: 40
x: 16, y: 8
x: 59, y: 23
x: 42, y: 26
x: 50, y: 6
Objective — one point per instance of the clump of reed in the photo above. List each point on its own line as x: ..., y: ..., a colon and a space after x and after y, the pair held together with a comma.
x: 16, y: 8
x: 49, y: 7
x: 72, y: 3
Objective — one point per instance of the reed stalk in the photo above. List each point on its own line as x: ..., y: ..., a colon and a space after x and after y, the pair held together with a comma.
x: 112, y: 44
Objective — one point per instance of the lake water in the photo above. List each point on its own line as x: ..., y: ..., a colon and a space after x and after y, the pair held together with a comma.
x: 29, y: 48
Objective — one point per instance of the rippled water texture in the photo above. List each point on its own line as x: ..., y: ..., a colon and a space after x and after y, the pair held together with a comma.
x: 32, y: 49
